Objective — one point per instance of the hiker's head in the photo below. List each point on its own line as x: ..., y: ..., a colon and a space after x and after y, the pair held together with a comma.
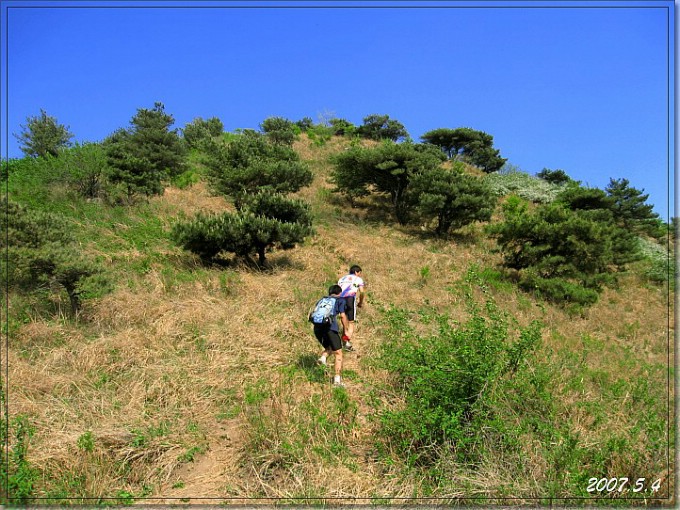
x: 354, y: 269
x: 334, y: 290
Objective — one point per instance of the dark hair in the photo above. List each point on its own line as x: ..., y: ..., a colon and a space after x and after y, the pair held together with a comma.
x: 354, y: 269
x: 334, y: 289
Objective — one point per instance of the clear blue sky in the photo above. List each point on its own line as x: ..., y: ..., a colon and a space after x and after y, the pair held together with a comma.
x: 583, y: 86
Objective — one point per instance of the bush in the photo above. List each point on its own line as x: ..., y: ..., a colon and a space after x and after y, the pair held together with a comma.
x: 574, y: 247
x: 198, y: 131
x: 659, y: 264
x: 32, y: 181
x: 265, y: 221
x: 445, y: 378
x: 558, y: 290
x: 342, y: 127
x: 42, y: 251
x: 18, y: 476
x: 320, y: 134
x: 280, y: 130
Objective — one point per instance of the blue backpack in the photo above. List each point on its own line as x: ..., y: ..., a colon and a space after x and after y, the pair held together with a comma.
x: 323, y: 311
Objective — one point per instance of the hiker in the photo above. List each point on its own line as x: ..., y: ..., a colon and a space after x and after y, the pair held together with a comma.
x: 326, y: 328
x: 352, y: 284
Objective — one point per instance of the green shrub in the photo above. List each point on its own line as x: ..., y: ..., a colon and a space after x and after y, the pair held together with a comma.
x: 43, y: 251
x: 557, y: 249
x: 198, y: 131
x: 280, y: 130
x: 558, y: 290
x: 265, y: 221
x: 659, y: 265
x: 18, y: 476
x: 320, y: 134
x: 444, y: 379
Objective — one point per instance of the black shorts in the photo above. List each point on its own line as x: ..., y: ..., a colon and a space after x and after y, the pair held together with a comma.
x: 328, y: 338
x: 351, y: 307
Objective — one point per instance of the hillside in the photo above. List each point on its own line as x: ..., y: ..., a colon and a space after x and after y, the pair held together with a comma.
x: 195, y: 383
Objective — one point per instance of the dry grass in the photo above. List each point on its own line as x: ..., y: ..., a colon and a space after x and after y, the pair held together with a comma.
x: 164, y: 368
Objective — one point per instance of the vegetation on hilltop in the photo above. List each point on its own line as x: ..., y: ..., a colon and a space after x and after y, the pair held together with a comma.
x: 187, y: 374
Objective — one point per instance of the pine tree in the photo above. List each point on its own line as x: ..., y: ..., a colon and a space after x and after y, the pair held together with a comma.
x: 43, y: 136
x: 566, y: 253
x: 265, y: 221
x: 198, y: 131
x: 147, y: 154
x: 251, y: 163
x: 387, y: 168
x: 381, y: 127
x: 41, y: 250
x: 630, y: 207
x: 454, y: 198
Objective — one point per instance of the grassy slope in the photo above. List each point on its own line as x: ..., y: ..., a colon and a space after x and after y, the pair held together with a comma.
x: 200, y: 382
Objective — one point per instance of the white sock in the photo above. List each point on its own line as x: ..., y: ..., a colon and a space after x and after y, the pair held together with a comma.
x: 336, y: 379
x: 322, y: 359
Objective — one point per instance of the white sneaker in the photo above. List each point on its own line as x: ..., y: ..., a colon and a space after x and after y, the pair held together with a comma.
x: 338, y: 384
x: 321, y: 361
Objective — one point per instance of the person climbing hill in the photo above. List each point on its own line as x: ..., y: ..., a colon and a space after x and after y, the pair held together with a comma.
x: 354, y: 291
x: 326, y: 328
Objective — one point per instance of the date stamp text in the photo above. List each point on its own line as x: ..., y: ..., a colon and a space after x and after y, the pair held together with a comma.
x: 622, y: 484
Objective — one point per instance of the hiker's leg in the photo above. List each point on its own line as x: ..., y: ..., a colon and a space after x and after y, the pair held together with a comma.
x: 338, y: 362
x: 336, y: 345
x: 350, y: 329
x: 351, y: 313
x: 321, y: 334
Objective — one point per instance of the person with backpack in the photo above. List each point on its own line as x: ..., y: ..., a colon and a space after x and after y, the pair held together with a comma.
x: 354, y: 292
x: 324, y: 317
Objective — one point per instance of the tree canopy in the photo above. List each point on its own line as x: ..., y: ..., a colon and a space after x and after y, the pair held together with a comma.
x: 251, y: 162
x: 387, y: 168
x: 453, y: 197
x: 475, y: 147
x: 381, y: 127
x: 146, y: 154
x: 198, y: 130
x: 43, y: 135
x: 630, y: 207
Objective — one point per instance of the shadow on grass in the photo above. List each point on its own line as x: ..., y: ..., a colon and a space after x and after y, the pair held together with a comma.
x: 314, y: 372
x: 274, y: 263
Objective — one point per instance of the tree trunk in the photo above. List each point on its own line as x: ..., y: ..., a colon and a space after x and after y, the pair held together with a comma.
x: 261, y: 255
x: 73, y: 298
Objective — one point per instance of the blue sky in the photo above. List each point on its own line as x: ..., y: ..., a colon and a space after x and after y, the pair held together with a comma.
x: 583, y: 86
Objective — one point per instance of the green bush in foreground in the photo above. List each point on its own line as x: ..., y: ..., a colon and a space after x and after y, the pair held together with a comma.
x: 444, y: 379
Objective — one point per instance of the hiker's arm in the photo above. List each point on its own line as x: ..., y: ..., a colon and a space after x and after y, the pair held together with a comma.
x: 362, y: 295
